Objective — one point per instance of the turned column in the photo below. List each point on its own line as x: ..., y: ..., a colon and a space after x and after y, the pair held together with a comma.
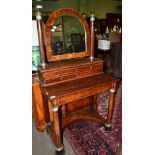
x: 92, y: 19
x: 40, y: 35
x: 108, y: 122
x: 59, y: 148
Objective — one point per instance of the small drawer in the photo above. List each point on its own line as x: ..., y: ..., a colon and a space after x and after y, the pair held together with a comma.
x: 60, y: 72
x: 59, y: 79
x: 90, y: 67
x: 88, y: 73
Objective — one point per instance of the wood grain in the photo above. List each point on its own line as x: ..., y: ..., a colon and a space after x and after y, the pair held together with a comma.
x: 49, y: 24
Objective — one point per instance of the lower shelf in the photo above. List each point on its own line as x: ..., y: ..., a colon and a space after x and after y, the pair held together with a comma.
x: 83, y: 115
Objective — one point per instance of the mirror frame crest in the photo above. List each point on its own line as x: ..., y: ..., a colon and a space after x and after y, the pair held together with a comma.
x: 49, y: 24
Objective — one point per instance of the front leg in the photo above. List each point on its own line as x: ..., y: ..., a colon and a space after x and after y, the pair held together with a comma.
x: 108, y: 123
x: 59, y: 148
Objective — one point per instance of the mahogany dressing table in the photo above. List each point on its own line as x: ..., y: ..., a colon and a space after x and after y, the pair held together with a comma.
x: 70, y: 77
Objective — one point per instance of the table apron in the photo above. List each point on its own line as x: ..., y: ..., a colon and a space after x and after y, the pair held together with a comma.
x: 82, y: 94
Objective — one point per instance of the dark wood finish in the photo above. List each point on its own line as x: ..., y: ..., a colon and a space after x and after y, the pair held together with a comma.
x: 82, y: 116
x: 92, y: 37
x: 63, y: 93
x: 71, y: 90
x: 40, y: 39
x: 50, y: 22
x: 70, y: 87
x: 58, y: 72
x: 95, y: 102
x: 110, y: 110
x: 57, y: 132
x: 77, y: 105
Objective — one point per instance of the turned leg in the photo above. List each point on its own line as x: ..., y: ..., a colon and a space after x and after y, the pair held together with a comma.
x: 59, y: 148
x: 108, y: 123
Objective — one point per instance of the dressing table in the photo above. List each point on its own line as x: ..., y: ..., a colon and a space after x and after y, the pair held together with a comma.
x: 70, y: 78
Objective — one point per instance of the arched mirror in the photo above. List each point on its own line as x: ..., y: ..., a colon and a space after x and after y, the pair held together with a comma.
x: 66, y: 35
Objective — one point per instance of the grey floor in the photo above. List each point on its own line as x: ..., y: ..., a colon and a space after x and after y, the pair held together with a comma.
x: 42, y: 144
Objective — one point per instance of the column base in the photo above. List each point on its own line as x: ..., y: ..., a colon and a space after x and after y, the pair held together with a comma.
x: 108, y: 127
x: 62, y: 152
x: 59, y: 150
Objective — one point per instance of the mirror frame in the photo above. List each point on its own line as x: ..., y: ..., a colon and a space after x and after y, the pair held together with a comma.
x: 49, y: 24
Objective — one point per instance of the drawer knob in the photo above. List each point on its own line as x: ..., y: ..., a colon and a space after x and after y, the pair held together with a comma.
x: 61, y: 78
x: 91, y: 67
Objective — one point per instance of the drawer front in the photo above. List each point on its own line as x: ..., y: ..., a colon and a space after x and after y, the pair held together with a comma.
x: 59, y: 79
x: 90, y: 67
x: 88, y: 73
x: 59, y: 72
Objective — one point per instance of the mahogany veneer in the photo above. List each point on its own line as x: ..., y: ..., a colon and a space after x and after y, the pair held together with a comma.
x: 60, y: 94
x: 50, y: 22
x: 66, y: 90
x: 65, y: 70
x: 37, y: 104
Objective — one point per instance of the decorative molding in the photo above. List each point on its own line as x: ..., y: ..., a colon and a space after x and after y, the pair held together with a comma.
x: 112, y: 90
x: 108, y: 125
x: 59, y: 148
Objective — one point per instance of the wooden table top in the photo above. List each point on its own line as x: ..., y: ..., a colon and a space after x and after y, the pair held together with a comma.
x: 79, y: 85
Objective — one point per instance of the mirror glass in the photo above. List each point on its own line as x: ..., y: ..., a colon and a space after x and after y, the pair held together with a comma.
x: 67, y: 35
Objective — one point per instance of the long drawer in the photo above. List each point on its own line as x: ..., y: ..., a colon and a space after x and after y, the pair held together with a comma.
x: 60, y: 79
x: 59, y: 72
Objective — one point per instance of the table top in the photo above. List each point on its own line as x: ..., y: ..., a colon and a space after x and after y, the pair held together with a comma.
x: 80, y: 85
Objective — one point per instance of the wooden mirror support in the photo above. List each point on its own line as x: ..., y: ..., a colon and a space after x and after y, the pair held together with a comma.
x: 49, y: 24
x: 40, y: 35
x: 92, y: 19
